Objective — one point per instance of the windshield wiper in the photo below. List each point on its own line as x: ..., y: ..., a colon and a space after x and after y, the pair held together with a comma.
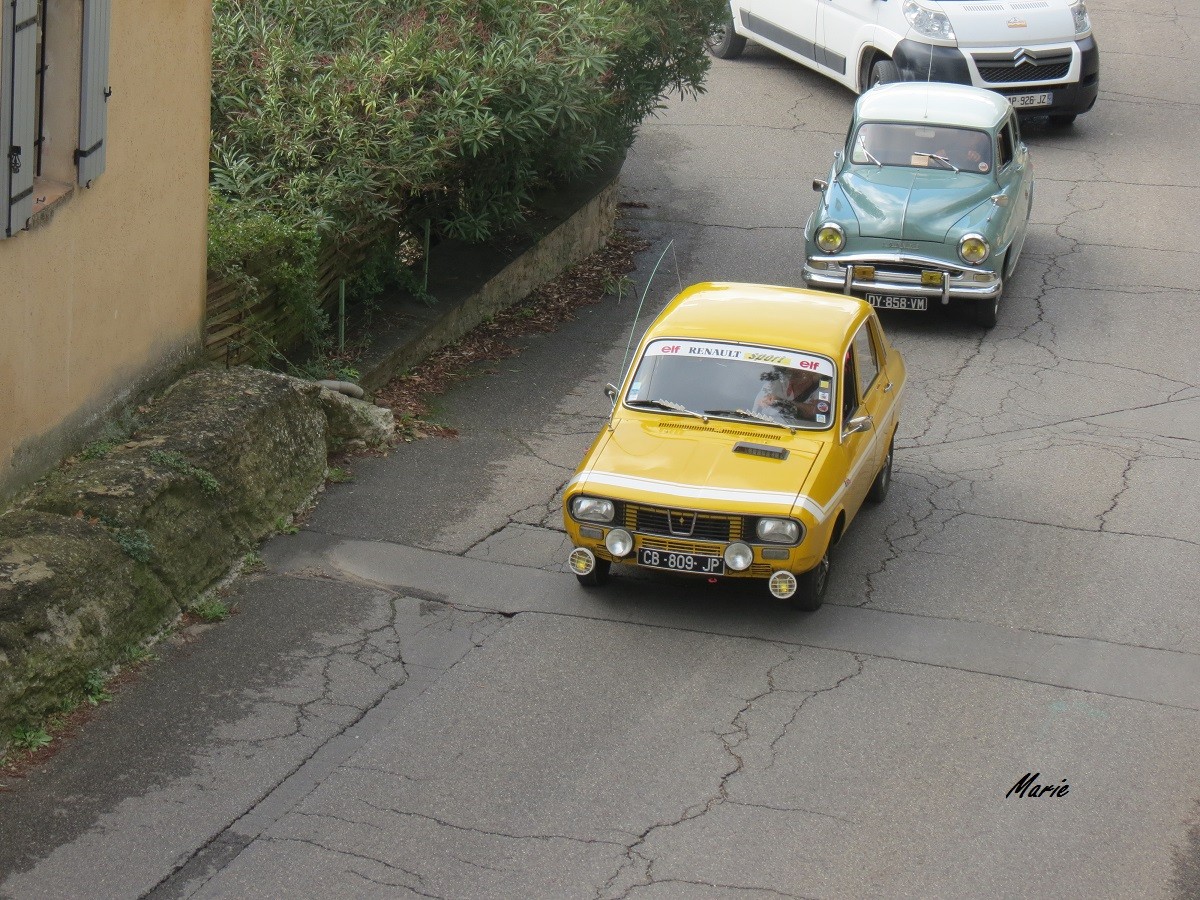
x: 863, y: 147
x: 747, y: 414
x: 665, y: 404
x: 940, y: 159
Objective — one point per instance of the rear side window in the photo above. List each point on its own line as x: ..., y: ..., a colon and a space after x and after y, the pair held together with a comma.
x: 849, y: 387
x: 867, y: 360
x: 1016, y: 128
x: 1006, y: 144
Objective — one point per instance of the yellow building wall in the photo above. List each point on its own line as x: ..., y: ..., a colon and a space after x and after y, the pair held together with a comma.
x: 104, y: 300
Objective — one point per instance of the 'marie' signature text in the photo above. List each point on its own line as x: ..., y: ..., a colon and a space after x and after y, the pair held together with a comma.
x: 1027, y: 786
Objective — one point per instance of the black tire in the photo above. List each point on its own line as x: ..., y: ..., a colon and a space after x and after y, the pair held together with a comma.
x: 883, y: 481
x: 598, y: 576
x: 884, y: 71
x: 725, y: 43
x: 810, y: 592
x: 987, y: 312
x: 1062, y: 120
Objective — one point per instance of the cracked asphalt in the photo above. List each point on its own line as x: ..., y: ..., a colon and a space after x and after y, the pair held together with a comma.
x: 414, y: 698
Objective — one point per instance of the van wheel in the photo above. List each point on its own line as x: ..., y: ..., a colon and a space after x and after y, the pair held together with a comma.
x: 810, y: 592
x: 725, y: 43
x: 598, y: 576
x: 883, y: 72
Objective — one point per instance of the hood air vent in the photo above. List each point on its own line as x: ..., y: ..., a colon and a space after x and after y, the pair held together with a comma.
x: 760, y: 450
x: 713, y: 429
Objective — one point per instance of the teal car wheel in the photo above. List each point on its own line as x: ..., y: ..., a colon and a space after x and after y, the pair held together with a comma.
x: 987, y: 312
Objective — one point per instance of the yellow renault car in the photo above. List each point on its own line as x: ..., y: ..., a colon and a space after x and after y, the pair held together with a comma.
x: 751, y: 427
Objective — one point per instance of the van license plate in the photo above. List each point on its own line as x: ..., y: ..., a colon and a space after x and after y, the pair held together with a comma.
x: 886, y: 301
x: 682, y: 562
x: 1030, y: 101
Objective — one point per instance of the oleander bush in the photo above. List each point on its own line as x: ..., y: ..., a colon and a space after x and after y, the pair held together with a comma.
x: 389, y: 120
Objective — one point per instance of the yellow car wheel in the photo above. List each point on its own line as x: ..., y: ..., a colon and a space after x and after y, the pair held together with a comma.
x: 883, y: 481
x: 810, y: 593
x: 598, y: 576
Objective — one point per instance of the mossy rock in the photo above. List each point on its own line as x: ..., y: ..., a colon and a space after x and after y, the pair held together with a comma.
x: 70, y: 600
x: 105, y: 552
x: 353, y: 420
x: 212, y: 467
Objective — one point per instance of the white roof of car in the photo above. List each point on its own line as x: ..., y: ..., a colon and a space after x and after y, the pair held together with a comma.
x: 934, y: 102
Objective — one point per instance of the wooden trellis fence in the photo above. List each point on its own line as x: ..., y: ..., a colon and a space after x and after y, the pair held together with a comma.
x: 235, y: 328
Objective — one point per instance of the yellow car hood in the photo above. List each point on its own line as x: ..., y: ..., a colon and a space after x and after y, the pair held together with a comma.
x: 688, y: 463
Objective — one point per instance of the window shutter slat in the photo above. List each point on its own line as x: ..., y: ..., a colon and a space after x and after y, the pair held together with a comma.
x: 93, y: 90
x: 17, y: 94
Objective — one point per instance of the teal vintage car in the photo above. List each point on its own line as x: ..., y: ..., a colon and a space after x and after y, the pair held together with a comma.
x: 928, y: 203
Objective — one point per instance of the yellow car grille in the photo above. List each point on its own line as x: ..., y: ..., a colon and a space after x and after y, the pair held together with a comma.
x: 670, y: 545
x: 682, y: 525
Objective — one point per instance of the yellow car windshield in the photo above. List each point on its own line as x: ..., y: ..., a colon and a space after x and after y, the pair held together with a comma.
x: 735, y: 381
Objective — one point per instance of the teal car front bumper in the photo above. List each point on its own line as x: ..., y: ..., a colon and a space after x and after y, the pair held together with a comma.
x: 901, y: 274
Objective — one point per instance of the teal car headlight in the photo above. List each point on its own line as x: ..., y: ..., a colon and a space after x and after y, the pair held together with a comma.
x: 593, y: 509
x: 1079, y: 14
x: 830, y: 237
x: 778, y: 531
x: 928, y: 22
x: 973, y: 249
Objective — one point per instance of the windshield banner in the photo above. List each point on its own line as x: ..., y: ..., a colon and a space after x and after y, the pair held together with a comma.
x: 769, y: 356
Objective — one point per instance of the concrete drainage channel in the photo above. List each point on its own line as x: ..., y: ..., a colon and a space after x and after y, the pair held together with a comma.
x: 107, y: 551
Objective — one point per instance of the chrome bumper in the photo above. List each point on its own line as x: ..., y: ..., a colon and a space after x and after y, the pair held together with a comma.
x: 959, y: 282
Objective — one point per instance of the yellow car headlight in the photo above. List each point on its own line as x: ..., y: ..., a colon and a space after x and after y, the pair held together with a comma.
x: 973, y: 249
x: 593, y: 509
x: 778, y: 531
x: 830, y: 237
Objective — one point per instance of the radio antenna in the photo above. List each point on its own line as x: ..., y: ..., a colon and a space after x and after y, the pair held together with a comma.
x: 928, y: 79
x: 645, y: 291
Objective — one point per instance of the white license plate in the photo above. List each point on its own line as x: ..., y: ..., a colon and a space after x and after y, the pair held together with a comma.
x: 887, y: 301
x: 682, y: 562
x: 1028, y: 101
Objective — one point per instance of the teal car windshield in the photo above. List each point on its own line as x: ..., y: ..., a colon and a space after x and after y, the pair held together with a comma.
x: 922, y: 146
x: 735, y: 381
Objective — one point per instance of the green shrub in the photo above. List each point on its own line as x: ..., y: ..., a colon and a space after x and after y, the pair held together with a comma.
x: 346, y: 122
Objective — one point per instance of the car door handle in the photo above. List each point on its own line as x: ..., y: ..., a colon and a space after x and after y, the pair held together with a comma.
x: 887, y: 387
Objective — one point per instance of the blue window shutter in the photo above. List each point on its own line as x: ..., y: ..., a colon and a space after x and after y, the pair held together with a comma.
x: 18, y: 59
x: 93, y: 90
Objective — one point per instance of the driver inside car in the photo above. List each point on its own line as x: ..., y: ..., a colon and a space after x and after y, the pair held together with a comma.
x: 787, y: 393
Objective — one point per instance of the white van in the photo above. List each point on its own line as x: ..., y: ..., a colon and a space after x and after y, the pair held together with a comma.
x: 1040, y: 54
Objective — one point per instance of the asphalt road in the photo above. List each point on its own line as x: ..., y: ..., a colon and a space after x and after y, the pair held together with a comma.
x: 416, y: 700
